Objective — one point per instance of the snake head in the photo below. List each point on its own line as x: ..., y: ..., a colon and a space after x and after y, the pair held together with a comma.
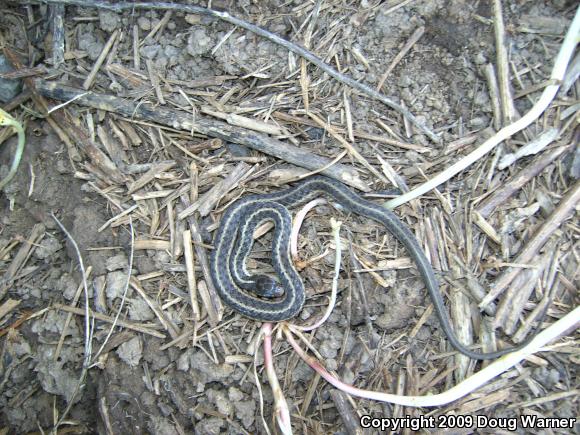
x: 267, y: 287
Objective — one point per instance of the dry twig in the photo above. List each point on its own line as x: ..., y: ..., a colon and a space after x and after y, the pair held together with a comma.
x: 365, y: 89
x: 566, y: 207
x: 207, y: 126
x: 88, y: 327
x: 558, y: 72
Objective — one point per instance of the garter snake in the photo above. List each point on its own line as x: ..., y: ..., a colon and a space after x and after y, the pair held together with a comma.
x: 233, y: 242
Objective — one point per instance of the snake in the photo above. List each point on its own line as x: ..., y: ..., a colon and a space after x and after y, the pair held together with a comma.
x: 265, y: 299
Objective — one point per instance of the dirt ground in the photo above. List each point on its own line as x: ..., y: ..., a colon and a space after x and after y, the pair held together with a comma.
x: 199, y: 378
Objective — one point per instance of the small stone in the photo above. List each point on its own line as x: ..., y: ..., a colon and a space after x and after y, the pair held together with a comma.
x: 478, y: 122
x: 67, y: 286
x: 481, y: 99
x: 9, y: 88
x: 161, y: 63
x: 163, y: 426
x: 209, y: 426
x: 405, y: 81
x: 305, y: 314
x: 109, y: 20
x: 315, y: 133
x: 21, y: 347
x: 183, y: 362
x: 56, y: 380
x: 162, y: 257
x: 219, y: 399
x: 331, y: 364
x: 131, y: 351
x: 422, y: 120
x: 412, y: 156
x: 172, y: 53
x: 193, y: 19
x: 480, y: 58
x: 26, y: 293
x: 116, y: 282
x: 245, y: 408
x: 547, y: 377
x: 235, y: 394
x: 54, y: 322
x: 348, y: 375
x: 139, y: 310
x: 150, y: 51
x: 302, y: 373
x: 198, y: 42
x: 144, y: 23
x: 48, y: 247
x: 328, y: 349
x: 210, y: 372
x: 61, y: 167
x: 117, y: 262
x: 88, y: 43
x: 407, y: 95
x: 395, y: 319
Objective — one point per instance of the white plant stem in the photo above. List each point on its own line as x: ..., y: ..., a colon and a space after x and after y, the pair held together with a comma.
x: 462, y: 389
x: 558, y: 73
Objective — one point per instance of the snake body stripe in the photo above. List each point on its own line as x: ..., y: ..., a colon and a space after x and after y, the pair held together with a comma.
x: 273, y: 206
x: 242, y: 250
x: 224, y: 279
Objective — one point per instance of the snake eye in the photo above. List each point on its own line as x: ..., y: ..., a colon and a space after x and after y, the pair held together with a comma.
x: 267, y: 287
